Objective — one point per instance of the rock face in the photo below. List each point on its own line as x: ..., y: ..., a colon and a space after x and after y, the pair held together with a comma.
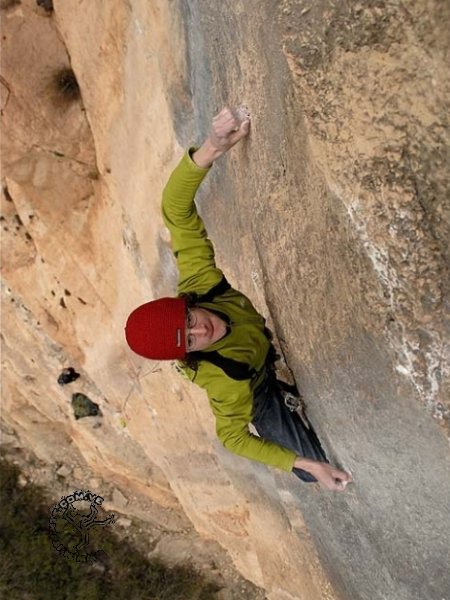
x: 337, y: 203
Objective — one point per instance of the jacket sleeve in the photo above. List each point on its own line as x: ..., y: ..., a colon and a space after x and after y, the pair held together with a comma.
x: 233, y: 415
x: 193, y: 250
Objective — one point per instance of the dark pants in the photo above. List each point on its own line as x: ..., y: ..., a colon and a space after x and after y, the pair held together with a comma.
x: 276, y: 423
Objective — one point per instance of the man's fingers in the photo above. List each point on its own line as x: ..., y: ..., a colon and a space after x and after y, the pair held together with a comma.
x: 338, y: 480
x: 341, y: 484
x: 338, y: 485
x: 342, y: 479
x: 224, y: 115
x: 224, y: 111
x: 348, y: 477
x: 229, y: 127
x: 242, y: 130
x: 245, y: 126
x: 343, y: 475
x: 230, y: 120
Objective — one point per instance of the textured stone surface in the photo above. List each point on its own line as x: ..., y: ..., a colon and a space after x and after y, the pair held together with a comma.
x: 338, y: 209
x: 332, y: 217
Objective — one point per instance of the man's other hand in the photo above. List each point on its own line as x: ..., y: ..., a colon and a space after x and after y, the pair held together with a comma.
x: 329, y: 477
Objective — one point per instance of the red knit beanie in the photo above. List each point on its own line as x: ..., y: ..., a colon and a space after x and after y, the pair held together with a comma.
x: 157, y: 329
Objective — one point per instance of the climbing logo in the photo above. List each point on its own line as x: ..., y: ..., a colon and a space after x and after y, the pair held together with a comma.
x: 72, y: 522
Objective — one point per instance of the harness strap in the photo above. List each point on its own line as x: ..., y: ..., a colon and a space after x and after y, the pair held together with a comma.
x: 215, y: 291
x: 233, y: 368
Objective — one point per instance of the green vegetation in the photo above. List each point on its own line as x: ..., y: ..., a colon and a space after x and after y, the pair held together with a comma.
x: 31, y: 568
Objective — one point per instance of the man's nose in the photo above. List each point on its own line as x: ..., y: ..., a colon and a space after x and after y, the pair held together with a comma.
x: 199, y: 329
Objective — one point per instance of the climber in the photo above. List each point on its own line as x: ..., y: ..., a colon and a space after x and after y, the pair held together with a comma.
x: 218, y: 339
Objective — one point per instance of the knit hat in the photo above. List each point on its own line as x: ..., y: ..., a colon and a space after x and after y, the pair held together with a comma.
x: 157, y: 329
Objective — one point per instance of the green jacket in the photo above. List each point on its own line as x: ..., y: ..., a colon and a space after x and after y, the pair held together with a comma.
x: 231, y: 400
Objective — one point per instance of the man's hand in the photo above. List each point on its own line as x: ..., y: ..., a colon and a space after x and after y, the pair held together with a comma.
x: 228, y: 127
x: 329, y: 477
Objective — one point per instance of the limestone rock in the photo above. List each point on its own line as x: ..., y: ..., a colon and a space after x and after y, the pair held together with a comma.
x: 124, y: 522
x: 64, y: 471
x: 338, y: 204
x: 119, y: 499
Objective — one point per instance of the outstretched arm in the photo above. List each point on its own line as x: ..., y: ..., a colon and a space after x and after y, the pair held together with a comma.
x: 192, y: 248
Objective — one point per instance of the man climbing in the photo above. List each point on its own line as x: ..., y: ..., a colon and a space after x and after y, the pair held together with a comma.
x: 219, y: 340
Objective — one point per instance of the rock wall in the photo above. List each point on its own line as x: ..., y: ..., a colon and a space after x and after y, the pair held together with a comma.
x: 359, y: 296
x: 332, y: 217
x: 82, y: 244
x: 376, y: 95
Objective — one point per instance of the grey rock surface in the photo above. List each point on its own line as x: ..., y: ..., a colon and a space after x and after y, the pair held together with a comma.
x: 346, y: 209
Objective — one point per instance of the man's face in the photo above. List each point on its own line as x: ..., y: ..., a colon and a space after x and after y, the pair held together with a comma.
x: 203, y: 328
